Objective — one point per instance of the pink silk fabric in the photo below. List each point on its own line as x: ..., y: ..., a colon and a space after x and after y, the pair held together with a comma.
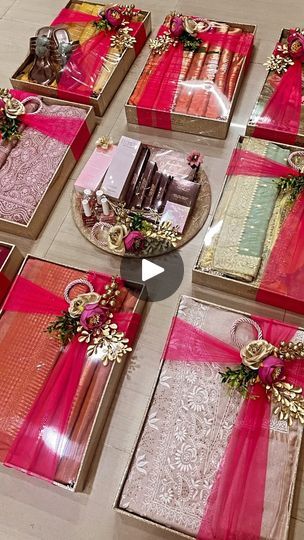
x: 235, y: 506
x: 83, y: 68
x: 40, y: 443
x: 283, y: 274
x: 282, y: 113
x: 164, y: 81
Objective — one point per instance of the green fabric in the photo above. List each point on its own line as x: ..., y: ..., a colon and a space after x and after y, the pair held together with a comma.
x: 261, y: 209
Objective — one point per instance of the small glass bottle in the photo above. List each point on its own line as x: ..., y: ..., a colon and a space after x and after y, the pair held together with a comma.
x: 88, y: 216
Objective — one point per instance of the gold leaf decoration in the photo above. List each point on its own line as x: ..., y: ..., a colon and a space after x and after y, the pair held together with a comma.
x: 111, y: 346
x: 162, y: 43
x: 288, y: 400
x: 123, y: 39
x: 280, y: 60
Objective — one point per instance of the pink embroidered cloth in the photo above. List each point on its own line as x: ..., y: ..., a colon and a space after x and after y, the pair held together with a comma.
x: 185, y: 437
x: 27, y: 167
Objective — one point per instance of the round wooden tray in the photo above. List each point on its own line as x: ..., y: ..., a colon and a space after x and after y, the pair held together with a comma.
x: 195, y: 222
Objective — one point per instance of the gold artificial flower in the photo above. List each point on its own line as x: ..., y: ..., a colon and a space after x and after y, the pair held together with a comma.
x: 255, y: 352
x: 104, y: 142
x: 78, y: 304
x: 13, y: 107
x: 193, y: 27
x: 116, y: 239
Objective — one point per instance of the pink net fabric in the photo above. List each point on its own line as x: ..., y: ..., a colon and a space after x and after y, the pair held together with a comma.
x: 235, y: 506
x: 282, y: 112
x: 42, y: 438
x: 244, y: 162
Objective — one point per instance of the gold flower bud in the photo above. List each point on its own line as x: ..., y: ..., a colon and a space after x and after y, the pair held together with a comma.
x: 282, y: 344
x: 255, y: 352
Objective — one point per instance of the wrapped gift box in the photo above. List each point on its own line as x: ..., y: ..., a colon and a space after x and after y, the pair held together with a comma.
x: 253, y: 247
x: 59, y: 398
x: 99, y: 87
x: 34, y: 169
x: 278, y: 114
x: 10, y: 260
x: 190, y: 82
x: 182, y: 454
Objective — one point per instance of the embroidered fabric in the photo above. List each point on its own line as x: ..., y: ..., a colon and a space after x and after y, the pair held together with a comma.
x: 247, y: 219
x: 30, y: 166
x: 185, y: 435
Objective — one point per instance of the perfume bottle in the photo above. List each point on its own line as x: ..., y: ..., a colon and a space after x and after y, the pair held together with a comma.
x: 103, y: 209
x: 88, y: 216
x: 89, y: 195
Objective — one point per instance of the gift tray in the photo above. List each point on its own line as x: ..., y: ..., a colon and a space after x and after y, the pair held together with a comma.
x: 171, y: 164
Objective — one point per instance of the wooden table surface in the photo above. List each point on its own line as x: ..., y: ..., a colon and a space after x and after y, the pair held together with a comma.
x: 32, y: 509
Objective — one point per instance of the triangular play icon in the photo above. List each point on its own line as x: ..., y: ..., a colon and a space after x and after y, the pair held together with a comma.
x: 149, y: 270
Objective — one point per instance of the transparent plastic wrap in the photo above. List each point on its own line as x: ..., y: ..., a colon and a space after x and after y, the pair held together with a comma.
x: 255, y: 241
x: 193, y: 70
x: 279, y: 112
x: 74, y: 328
x: 85, y: 43
x: 160, y: 199
x: 203, y: 450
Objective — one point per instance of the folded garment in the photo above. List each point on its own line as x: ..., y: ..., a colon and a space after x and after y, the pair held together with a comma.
x: 234, y: 70
x: 186, y: 90
x: 190, y: 419
x: 244, y: 214
x: 216, y: 106
x: 29, y: 354
x: 7, y: 146
x: 29, y: 362
x: 30, y: 166
x: 201, y: 96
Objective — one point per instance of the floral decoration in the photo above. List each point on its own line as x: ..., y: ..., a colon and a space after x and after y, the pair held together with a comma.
x: 263, y: 363
x: 286, y: 54
x: 183, y: 30
x: 194, y: 159
x: 140, y: 232
x: 291, y: 184
x: 104, y: 142
x: 89, y: 317
x: 10, y: 112
x: 117, y: 17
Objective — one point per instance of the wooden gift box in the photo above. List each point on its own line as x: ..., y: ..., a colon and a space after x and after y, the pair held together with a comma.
x: 249, y: 290
x: 9, y: 267
x: 269, y: 133
x: 99, y: 102
x: 60, y: 177
x: 102, y: 412
x: 153, y: 482
x: 207, y: 127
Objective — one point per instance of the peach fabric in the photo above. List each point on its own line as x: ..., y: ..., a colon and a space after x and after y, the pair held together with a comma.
x: 29, y: 355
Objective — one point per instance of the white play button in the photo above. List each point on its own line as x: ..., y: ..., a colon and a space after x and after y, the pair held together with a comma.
x: 149, y: 270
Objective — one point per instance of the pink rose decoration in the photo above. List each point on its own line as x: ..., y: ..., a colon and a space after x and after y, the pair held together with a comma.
x: 93, y: 316
x: 295, y: 42
x: 177, y: 26
x: 271, y: 369
x: 114, y: 16
x: 194, y: 159
x: 135, y: 241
